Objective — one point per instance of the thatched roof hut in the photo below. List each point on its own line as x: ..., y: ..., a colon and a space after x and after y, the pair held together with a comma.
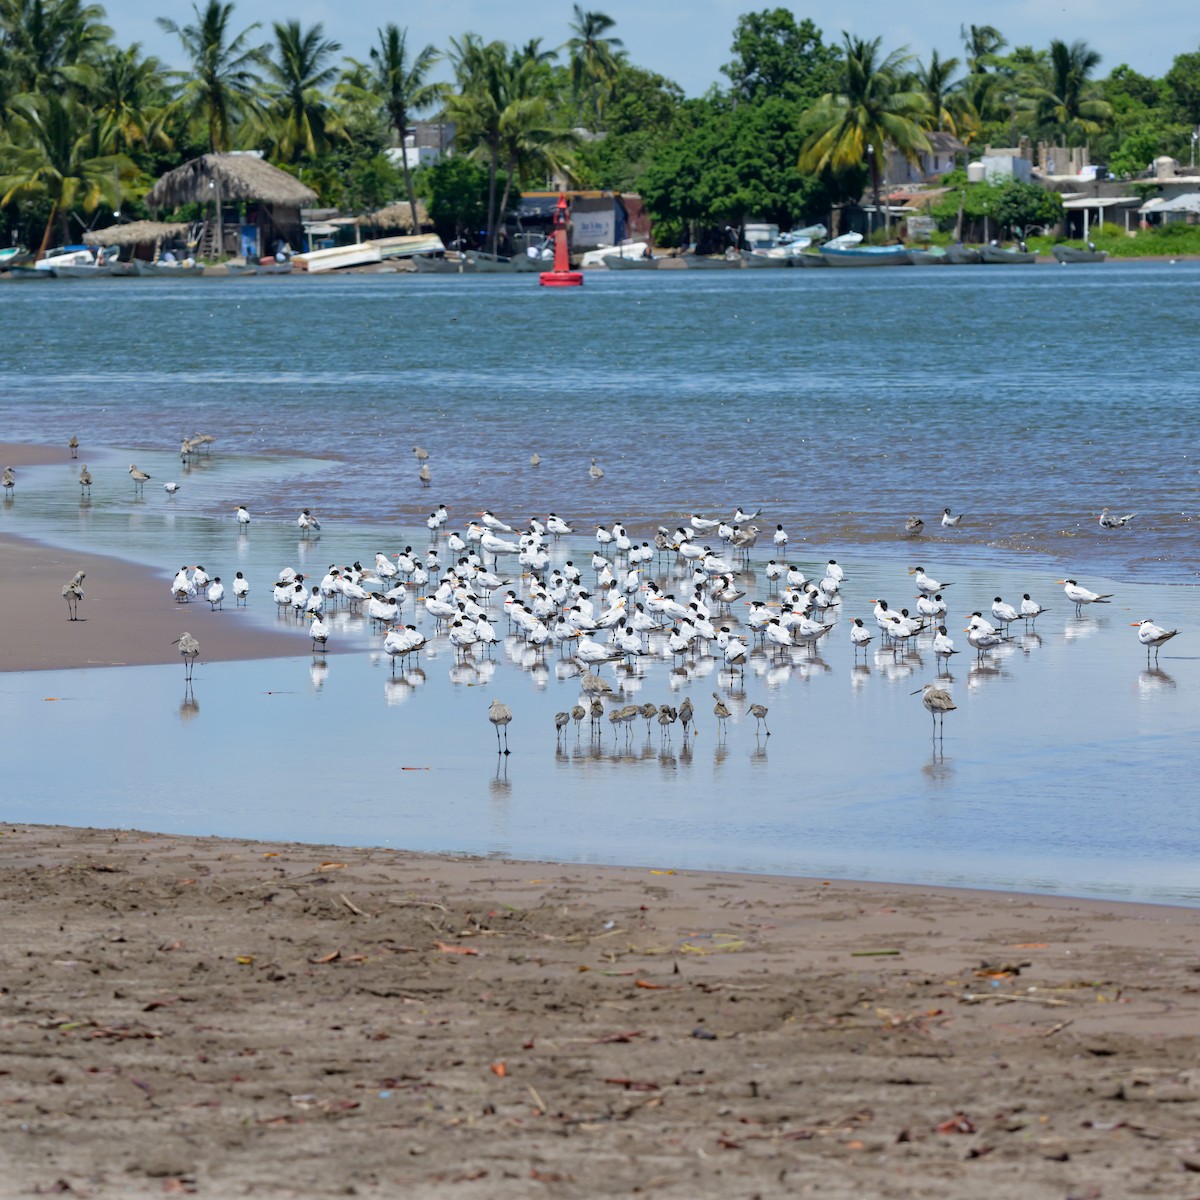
x: 273, y: 198
x: 396, y: 216
x: 241, y: 177
x: 139, y: 233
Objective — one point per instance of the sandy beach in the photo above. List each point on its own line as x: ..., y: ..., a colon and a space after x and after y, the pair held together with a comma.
x: 232, y: 1018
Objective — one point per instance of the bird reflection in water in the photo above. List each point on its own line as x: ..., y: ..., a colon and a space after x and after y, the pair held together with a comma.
x: 983, y: 672
x: 937, y: 770
x: 189, y: 706
x: 317, y: 673
x: 1155, y: 679
x: 500, y: 786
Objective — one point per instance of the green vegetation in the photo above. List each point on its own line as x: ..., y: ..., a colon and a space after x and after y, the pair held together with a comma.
x: 799, y: 124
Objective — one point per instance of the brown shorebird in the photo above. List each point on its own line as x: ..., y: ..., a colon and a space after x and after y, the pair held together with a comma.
x: 913, y: 526
x: 73, y: 446
x: 595, y: 472
x: 535, y: 459
x: 721, y: 712
x: 500, y: 715
x: 937, y: 703
x: 138, y: 476
x: 686, y: 714
x: 85, y: 480
x: 424, y: 475
x: 10, y: 480
x: 421, y: 453
x: 759, y: 713
x: 561, y: 721
x: 189, y: 649
x: 73, y: 593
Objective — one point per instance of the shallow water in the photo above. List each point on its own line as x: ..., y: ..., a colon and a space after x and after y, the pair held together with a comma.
x: 840, y: 402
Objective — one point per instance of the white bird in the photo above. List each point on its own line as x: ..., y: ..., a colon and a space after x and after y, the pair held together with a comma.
x: 703, y: 524
x: 200, y: 579
x: 557, y: 526
x: 1112, y: 521
x: 307, y: 522
x: 859, y: 635
x: 492, y: 522
x: 318, y: 632
x: 1030, y: 609
x: 833, y: 571
x: 741, y: 518
x: 1004, y: 613
x: 982, y: 638
x: 949, y: 522
x: 170, y: 488
x: 1079, y: 596
x: 925, y: 583
x: 243, y: 516
x: 937, y: 703
x: 189, y: 650
x: 215, y: 593
x: 943, y: 644
x: 1153, y: 636
x: 182, y: 587
x: 780, y: 537
x: 241, y: 589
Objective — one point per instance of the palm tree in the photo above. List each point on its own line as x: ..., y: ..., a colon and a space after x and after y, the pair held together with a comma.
x: 870, y: 113
x: 595, y: 57
x: 56, y: 155
x: 223, y: 82
x: 402, y: 86
x: 982, y: 43
x: 128, y: 95
x: 45, y: 39
x: 1068, y: 101
x: 299, y: 119
x: 934, y: 82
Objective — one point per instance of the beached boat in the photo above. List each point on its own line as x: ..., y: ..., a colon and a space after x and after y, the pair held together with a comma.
x: 963, y: 256
x: 359, y: 254
x: 618, y: 262
x: 810, y: 258
x: 595, y: 258
x: 866, y: 256
x: 716, y: 262
x: 14, y: 256
x: 430, y: 264
x: 1076, y: 254
x: 999, y: 256
x: 28, y: 274
x: 776, y: 257
x: 934, y: 256
x: 409, y: 245
x: 498, y: 264
x: 167, y: 270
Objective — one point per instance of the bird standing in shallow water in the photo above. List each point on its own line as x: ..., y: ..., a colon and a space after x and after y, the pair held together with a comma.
x: 595, y: 472
x: 138, y: 476
x: 85, y: 480
x: 500, y: 715
x: 1110, y: 521
x: 937, y: 703
x: 189, y: 649
x: 535, y: 459
x: 759, y: 713
x: 1153, y: 636
x: 73, y: 446
x: 10, y: 479
x: 721, y: 712
x: 424, y: 475
x: 73, y: 593
x: 949, y: 522
x: 913, y: 526
x: 1079, y: 596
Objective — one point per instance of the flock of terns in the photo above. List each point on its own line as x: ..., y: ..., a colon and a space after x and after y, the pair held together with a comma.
x: 621, y: 615
x: 619, y: 618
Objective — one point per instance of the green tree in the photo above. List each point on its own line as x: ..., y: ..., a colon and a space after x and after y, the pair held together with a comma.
x: 982, y: 43
x: 55, y: 155
x: 1068, y: 102
x: 128, y: 95
x: 46, y: 39
x: 402, y: 86
x: 298, y: 119
x: 1183, y: 85
x: 773, y: 55
x: 594, y: 56
x: 935, y: 82
x: 868, y: 113
x: 222, y: 83
x: 456, y: 196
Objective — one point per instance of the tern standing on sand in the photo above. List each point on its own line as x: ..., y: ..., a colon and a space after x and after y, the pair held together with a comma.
x: 937, y: 703
x: 189, y: 650
x: 73, y: 593
x: 500, y: 715
x: 241, y: 589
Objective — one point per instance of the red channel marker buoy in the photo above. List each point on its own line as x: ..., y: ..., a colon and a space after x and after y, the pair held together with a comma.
x: 562, y: 275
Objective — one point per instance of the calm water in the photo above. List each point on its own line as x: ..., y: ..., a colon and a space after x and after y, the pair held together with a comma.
x: 839, y: 402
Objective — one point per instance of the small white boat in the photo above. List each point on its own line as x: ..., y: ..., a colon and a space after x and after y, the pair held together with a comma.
x: 595, y: 258
x: 360, y: 254
x: 618, y: 262
x: 409, y: 245
x: 1076, y: 254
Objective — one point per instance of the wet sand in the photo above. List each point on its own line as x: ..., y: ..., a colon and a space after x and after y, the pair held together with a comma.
x: 127, y: 617
x: 237, y: 1018
x: 21, y: 454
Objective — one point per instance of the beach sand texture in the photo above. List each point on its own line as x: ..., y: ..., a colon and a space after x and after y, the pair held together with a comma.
x: 231, y: 1018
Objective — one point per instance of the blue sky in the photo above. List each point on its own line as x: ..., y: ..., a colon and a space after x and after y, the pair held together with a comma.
x: 688, y: 42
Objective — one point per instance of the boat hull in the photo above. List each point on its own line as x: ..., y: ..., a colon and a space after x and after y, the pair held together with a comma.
x: 615, y: 262
x: 1012, y: 258
x: 427, y: 265
x: 809, y: 259
x: 963, y: 256
x: 871, y: 256
x: 1072, y: 254
x: 758, y: 259
x: 699, y: 262
x: 362, y: 254
x: 926, y: 258
x: 161, y: 270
